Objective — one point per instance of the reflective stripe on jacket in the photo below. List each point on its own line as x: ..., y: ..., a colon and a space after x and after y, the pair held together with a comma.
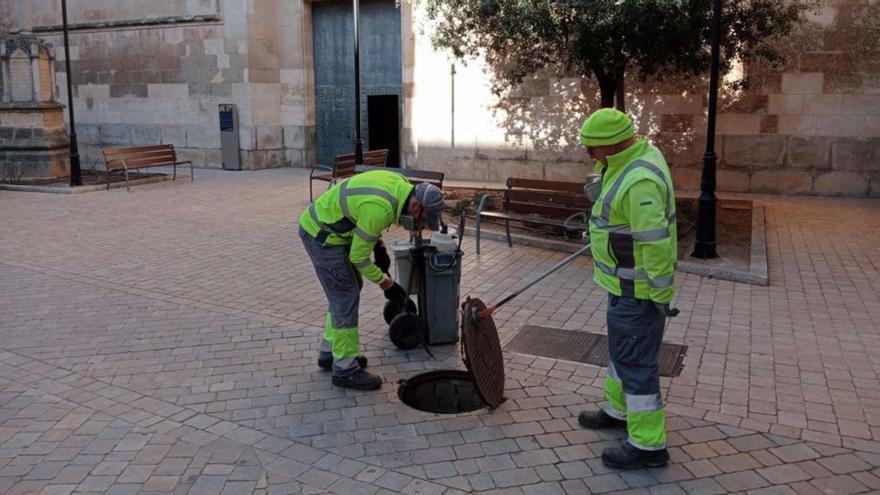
x: 632, y: 226
x: 356, y: 210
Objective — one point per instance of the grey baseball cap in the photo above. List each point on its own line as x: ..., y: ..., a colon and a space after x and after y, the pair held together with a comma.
x: 431, y: 198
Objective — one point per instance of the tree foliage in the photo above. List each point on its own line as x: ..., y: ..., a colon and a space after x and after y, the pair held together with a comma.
x: 607, y: 38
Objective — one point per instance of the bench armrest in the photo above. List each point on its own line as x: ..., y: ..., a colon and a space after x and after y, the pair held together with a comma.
x: 319, y: 169
x: 567, y: 223
x: 482, y: 204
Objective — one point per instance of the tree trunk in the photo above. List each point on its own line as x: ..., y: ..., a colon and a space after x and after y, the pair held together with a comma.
x: 607, y: 88
x: 620, y: 94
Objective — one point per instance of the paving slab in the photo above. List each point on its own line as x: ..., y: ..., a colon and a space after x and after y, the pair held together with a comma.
x: 164, y: 340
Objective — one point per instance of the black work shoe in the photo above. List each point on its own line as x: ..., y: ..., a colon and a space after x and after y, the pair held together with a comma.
x: 600, y: 420
x: 326, y: 363
x: 629, y: 457
x: 359, y: 380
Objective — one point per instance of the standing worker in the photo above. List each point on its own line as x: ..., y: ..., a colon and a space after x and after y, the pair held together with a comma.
x: 634, y: 246
x: 339, y: 231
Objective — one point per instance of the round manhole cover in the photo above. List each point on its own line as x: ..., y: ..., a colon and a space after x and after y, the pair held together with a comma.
x: 442, y: 391
x: 482, y: 352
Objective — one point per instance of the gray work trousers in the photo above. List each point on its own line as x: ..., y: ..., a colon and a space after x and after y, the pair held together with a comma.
x: 632, y: 386
x: 342, y: 284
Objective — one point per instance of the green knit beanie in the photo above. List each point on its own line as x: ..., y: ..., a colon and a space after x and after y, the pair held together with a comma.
x: 606, y: 127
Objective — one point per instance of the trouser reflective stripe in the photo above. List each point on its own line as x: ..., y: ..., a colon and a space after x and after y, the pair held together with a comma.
x: 635, y: 332
x: 341, y: 285
x: 616, y: 403
x: 327, y: 341
x: 345, y: 348
x: 647, y: 430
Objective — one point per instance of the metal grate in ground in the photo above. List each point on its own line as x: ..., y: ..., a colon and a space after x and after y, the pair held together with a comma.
x: 584, y: 347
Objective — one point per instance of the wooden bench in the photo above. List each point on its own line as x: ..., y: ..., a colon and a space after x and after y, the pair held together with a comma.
x: 343, y: 166
x: 555, y: 201
x: 414, y: 176
x: 135, y: 157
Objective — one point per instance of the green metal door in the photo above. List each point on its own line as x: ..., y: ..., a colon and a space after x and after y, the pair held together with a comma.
x: 381, y: 71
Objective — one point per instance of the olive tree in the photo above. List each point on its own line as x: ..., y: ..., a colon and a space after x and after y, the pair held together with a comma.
x: 605, y: 39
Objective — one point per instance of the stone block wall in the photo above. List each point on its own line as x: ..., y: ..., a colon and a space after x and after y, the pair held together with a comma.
x: 6, y: 17
x: 33, y: 140
x: 811, y: 126
x: 158, y: 75
x: 147, y: 73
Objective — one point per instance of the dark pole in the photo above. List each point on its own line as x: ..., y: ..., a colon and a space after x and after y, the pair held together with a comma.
x: 75, y: 173
x: 358, y: 142
x: 705, y: 245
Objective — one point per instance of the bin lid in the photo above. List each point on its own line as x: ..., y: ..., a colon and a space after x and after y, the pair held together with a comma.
x: 402, y: 247
x: 481, y: 352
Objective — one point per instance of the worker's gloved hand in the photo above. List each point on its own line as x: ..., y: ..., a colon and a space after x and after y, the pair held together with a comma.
x: 396, y: 294
x: 667, y: 311
x: 381, y: 258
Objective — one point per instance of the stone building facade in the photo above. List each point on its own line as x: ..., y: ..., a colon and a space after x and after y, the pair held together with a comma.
x: 155, y: 72
x: 33, y: 139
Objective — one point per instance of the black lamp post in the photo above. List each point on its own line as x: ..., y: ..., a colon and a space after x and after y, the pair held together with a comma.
x: 75, y: 173
x: 705, y: 245
x: 358, y: 142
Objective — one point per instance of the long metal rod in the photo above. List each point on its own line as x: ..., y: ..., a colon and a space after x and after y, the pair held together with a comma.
x: 75, y: 172
x: 358, y: 141
x: 491, y: 309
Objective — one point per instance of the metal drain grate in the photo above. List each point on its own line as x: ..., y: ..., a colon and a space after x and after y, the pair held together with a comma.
x: 584, y: 347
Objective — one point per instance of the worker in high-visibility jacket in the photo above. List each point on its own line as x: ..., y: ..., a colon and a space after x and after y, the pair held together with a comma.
x: 339, y: 231
x: 634, y: 246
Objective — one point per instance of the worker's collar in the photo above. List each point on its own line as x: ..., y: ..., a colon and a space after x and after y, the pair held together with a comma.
x: 626, y: 156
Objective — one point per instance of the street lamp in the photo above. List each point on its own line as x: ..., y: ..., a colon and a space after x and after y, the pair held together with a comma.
x: 358, y: 142
x: 75, y: 173
x: 705, y: 245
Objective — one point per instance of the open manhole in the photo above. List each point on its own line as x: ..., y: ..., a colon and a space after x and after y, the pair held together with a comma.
x: 442, y: 391
x: 458, y: 391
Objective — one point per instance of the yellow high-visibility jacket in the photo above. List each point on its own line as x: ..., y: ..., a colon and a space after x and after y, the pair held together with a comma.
x: 632, y: 226
x: 356, y: 210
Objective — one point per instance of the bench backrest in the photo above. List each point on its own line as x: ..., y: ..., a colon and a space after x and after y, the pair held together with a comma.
x: 414, y: 176
x: 555, y: 199
x: 344, y: 165
x: 140, y: 156
x: 428, y: 176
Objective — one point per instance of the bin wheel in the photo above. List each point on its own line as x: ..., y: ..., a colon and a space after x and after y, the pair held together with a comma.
x: 405, y: 330
x: 393, y: 309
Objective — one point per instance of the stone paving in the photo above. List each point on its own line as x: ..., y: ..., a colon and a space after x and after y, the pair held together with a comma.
x: 163, y: 341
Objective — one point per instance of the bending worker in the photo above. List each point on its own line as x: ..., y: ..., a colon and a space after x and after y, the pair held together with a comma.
x: 634, y: 246
x: 339, y: 231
